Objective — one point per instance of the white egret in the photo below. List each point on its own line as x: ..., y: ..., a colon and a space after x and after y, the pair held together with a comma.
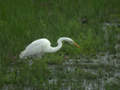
x: 38, y: 47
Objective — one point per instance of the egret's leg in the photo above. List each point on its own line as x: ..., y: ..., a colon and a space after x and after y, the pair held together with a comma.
x: 30, y: 62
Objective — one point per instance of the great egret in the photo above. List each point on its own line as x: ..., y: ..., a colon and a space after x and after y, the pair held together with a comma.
x: 38, y: 47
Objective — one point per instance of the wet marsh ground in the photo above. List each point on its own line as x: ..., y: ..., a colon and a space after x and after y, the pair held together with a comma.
x: 94, y: 25
x: 82, y: 73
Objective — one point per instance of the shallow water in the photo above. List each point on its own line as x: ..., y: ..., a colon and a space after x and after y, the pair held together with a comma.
x: 86, y: 74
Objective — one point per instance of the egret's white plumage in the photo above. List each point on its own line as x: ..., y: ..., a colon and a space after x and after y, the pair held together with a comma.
x: 38, y: 47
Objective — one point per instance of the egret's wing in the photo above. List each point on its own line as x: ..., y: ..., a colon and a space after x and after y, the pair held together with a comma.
x: 33, y: 44
x: 39, y: 42
x: 31, y: 52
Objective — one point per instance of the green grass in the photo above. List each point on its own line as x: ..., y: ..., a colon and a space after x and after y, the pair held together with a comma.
x: 22, y: 21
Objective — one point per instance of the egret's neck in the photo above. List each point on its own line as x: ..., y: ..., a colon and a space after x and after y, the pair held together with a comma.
x: 59, y: 41
x: 55, y: 49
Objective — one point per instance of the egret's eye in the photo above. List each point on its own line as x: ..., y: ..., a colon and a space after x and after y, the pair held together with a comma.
x: 71, y: 42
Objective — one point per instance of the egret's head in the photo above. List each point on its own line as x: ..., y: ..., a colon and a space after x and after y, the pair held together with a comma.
x: 69, y: 40
x: 73, y: 43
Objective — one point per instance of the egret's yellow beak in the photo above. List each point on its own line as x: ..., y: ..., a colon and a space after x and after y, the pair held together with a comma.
x: 76, y: 45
